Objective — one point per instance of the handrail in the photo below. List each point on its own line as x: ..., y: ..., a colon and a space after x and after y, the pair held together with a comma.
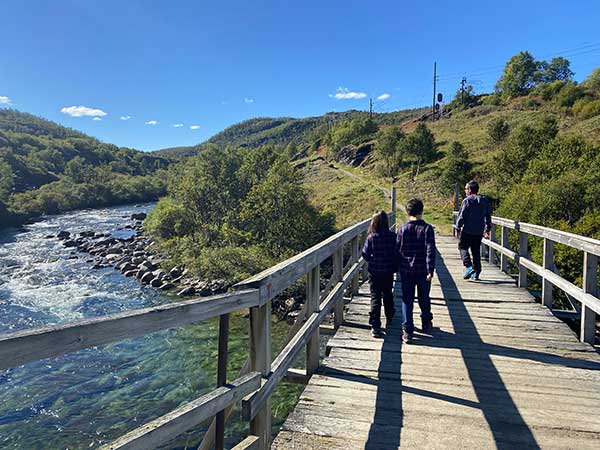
x: 26, y: 346
x: 274, y: 280
x: 259, y: 377
x: 587, y: 296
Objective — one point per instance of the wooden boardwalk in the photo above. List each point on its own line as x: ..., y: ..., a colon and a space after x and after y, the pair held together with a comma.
x: 498, y: 371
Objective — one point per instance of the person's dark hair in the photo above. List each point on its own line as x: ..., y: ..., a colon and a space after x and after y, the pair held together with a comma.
x: 414, y: 207
x: 473, y: 186
x: 379, y: 222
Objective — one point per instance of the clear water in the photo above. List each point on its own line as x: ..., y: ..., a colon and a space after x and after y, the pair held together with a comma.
x: 88, y: 398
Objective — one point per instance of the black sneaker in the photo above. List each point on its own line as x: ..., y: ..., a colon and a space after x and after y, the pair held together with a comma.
x: 426, y: 326
x: 407, y: 337
x: 377, y: 333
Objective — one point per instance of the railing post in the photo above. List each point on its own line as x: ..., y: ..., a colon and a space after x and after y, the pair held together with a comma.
x: 523, y: 253
x: 312, y: 303
x: 590, y: 285
x: 338, y: 309
x: 505, y: 244
x: 222, y: 378
x: 548, y: 263
x: 354, y: 256
x: 260, y: 361
x: 456, y: 206
x: 394, y: 210
x: 491, y: 251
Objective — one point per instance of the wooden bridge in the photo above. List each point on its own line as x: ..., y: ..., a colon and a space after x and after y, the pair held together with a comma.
x: 498, y: 371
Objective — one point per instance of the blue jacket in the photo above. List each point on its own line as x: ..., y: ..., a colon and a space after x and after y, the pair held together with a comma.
x: 475, y: 215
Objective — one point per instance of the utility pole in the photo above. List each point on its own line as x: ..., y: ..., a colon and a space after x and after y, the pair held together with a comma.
x: 462, y: 90
x: 434, y: 81
x: 371, y: 108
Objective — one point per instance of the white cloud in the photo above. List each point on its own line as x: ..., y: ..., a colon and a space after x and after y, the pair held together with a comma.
x: 96, y: 119
x: 194, y: 127
x: 346, y: 94
x: 125, y: 117
x: 81, y: 111
x: 152, y: 122
x: 384, y: 96
x: 177, y: 125
x: 4, y: 100
x: 248, y: 100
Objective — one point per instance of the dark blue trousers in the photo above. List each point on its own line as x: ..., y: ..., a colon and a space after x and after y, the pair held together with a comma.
x: 408, y: 301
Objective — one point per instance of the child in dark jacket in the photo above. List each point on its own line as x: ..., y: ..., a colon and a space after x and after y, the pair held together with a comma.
x: 380, y: 252
x: 416, y: 247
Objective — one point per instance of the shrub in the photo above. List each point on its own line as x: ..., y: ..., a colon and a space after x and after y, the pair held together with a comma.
x: 498, y: 130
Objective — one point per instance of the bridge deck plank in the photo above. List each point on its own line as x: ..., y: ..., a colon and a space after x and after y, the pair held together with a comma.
x: 498, y: 371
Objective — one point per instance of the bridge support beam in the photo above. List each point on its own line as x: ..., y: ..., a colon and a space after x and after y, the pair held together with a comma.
x: 260, y: 361
x: 312, y: 302
x: 590, y: 285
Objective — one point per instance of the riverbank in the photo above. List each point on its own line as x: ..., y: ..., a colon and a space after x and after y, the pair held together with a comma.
x: 86, y: 399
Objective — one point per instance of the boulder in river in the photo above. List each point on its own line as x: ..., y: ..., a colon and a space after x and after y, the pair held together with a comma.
x: 147, y: 266
x: 157, y: 282
x: 63, y: 234
x: 147, y: 277
x: 138, y: 216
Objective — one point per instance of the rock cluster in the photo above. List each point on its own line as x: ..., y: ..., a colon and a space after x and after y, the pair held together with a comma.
x: 134, y: 257
x: 354, y: 156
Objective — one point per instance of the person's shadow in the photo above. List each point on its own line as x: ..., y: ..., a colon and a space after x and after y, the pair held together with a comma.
x: 505, y: 422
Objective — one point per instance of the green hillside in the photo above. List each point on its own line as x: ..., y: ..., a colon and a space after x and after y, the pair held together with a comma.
x: 285, y: 131
x: 46, y: 168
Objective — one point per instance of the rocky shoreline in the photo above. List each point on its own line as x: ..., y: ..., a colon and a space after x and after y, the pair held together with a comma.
x: 130, y: 252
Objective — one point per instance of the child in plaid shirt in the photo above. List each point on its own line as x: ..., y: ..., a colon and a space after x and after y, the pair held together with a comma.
x: 416, y: 247
x: 380, y: 252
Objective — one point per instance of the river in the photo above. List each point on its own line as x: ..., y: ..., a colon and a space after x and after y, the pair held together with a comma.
x: 88, y: 398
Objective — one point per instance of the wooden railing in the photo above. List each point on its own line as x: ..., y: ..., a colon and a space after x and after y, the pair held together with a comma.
x: 260, y: 375
x: 587, y: 296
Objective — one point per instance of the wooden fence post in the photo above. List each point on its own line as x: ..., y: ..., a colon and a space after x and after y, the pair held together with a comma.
x: 354, y: 256
x: 548, y: 263
x: 260, y: 361
x: 394, y: 210
x: 523, y: 253
x: 590, y: 285
x: 312, y: 303
x: 338, y: 309
x: 456, y: 207
x: 491, y: 251
x: 222, y: 377
x: 505, y: 244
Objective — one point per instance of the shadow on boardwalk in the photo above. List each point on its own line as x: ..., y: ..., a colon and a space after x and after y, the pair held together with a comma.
x: 501, y: 413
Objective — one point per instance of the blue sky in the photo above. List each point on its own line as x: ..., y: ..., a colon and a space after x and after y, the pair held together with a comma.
x: 208, y: 65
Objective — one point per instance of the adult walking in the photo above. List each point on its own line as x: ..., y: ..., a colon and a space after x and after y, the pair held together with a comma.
x: 474, y: 223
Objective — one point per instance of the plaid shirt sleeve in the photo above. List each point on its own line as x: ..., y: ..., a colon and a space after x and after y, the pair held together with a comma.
x: 430, y: 250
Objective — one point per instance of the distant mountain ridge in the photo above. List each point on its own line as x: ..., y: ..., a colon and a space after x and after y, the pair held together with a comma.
x: 285, y: 130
